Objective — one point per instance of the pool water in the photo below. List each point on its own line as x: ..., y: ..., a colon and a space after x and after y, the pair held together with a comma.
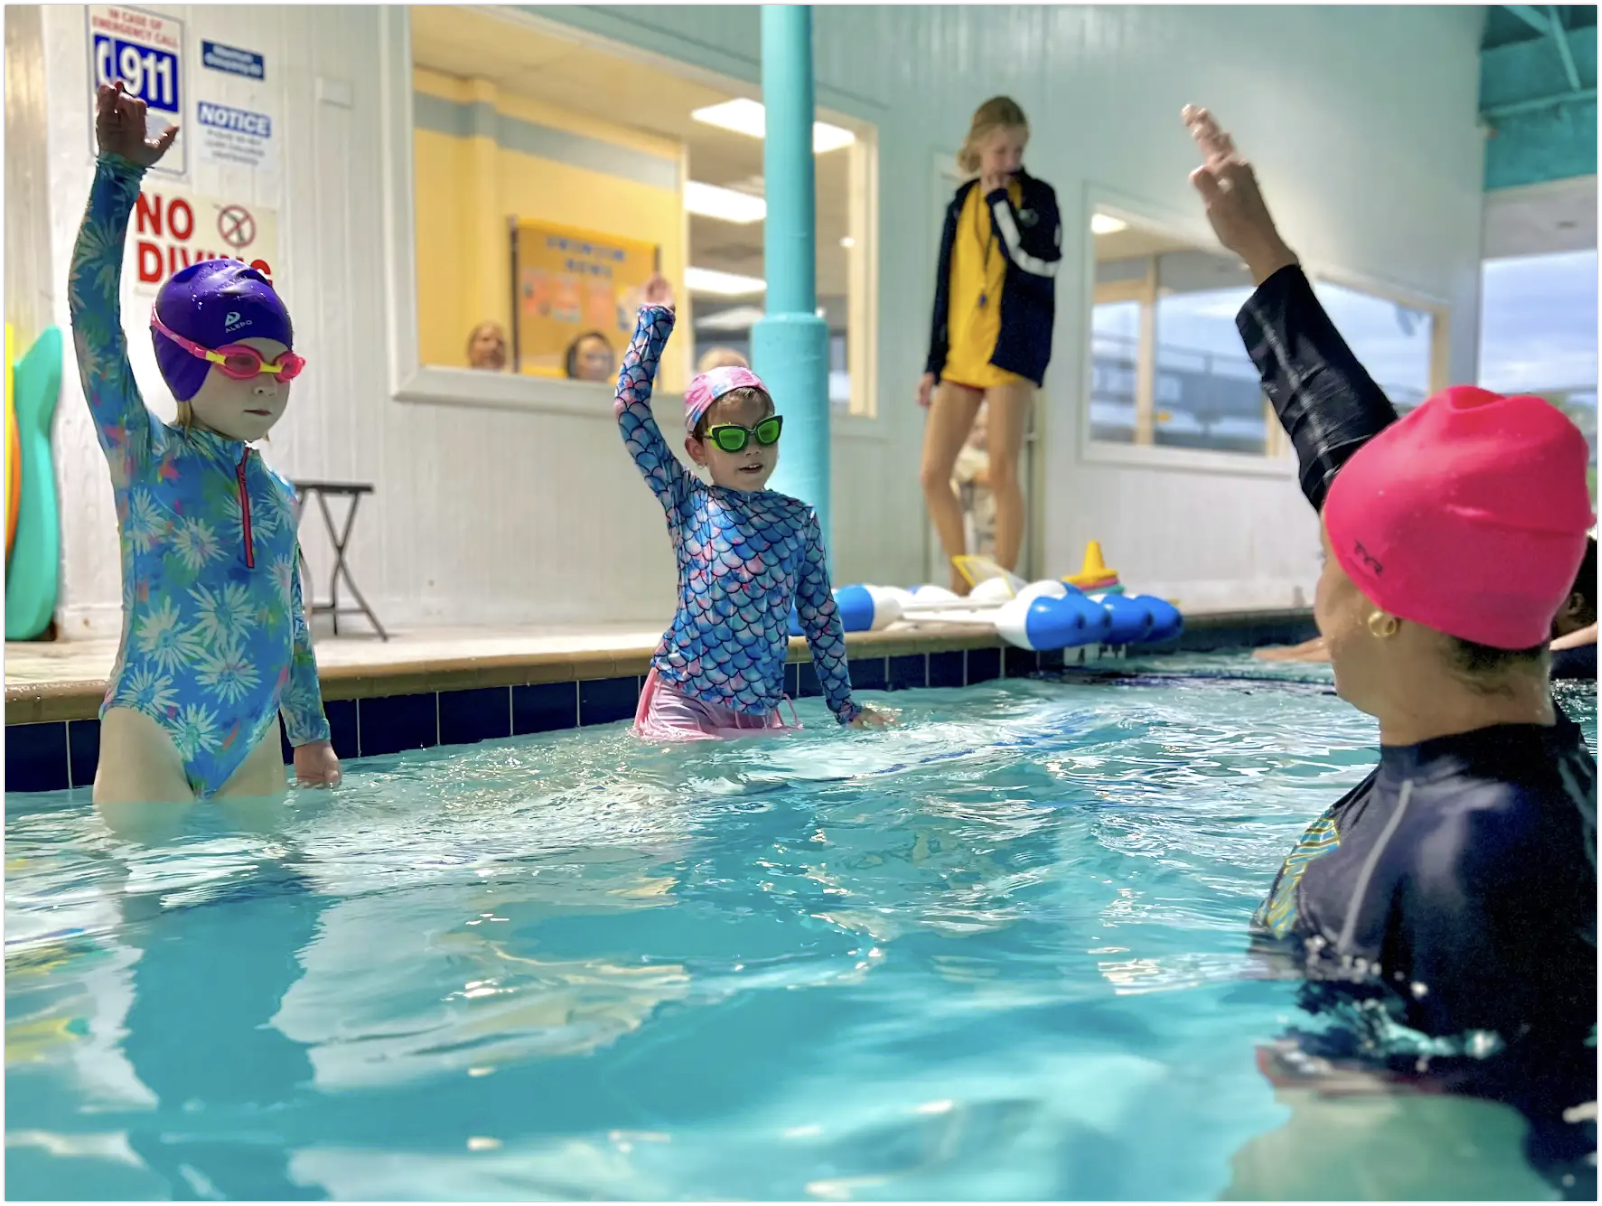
x: 993, y: 953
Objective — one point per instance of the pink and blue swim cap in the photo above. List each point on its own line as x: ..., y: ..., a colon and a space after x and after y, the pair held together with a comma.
x: 710, y: 386
x: 215, y: 303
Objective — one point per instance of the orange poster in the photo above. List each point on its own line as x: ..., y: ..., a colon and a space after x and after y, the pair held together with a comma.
x: 573, y: 285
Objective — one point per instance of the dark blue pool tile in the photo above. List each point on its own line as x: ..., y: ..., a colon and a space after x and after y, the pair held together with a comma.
x: 342, y: 732
x: 606, y: 700
x: 947, y: 669
x: 36, y: 757
x: 867, y: 674
x: 544, y: 708
x: 392, y: 723
x: 83, y: 751
x: 483, y: 714
x: 1020, y: 663
x: 343, y: 728
x: 807, y: 683
x: 983, y: 665
x: 792, y: 680
x: 909, y: 672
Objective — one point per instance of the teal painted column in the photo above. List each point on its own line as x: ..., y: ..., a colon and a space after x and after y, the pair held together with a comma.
x: 790, y: 344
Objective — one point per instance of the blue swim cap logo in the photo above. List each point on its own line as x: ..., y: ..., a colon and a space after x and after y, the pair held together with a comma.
x: 233, y: 321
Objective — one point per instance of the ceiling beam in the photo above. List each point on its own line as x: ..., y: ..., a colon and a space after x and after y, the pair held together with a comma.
x: 1532, y: 17
x: 1567, y: 55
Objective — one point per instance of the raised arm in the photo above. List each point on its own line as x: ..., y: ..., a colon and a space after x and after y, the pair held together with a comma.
x: 820, y: 620
x: 122, y: 423
x: 1327, y: 403
x: 667, y: 477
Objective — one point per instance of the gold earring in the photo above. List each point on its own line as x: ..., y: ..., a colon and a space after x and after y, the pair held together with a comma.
x: 1383, y: 626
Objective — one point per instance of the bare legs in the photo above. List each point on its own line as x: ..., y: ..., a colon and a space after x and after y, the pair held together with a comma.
x: 951, y: 416
x: 1009, y: 407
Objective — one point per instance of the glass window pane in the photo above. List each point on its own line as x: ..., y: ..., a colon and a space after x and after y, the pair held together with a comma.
x: 1207, y: 393
x: 1114, y: 355
x: 1392, y: 341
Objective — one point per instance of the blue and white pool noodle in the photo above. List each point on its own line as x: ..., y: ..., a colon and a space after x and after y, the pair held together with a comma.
x: 1043, y: 616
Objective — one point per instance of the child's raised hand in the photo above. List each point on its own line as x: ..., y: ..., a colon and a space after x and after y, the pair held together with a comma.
x: 120, y: 127
x: 872, y: 717
x: 658, y: 292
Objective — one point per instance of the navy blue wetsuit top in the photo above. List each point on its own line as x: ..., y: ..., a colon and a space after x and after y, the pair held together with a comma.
x: 1444, y: 911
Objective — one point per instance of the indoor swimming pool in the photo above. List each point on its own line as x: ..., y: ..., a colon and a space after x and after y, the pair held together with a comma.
x: 996, y: 952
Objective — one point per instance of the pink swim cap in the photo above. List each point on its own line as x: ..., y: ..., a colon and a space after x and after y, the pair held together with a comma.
x: 709, y: 387
x: 1468, y: 516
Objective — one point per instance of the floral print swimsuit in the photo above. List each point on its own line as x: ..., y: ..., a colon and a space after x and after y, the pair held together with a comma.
x: 214, y: 637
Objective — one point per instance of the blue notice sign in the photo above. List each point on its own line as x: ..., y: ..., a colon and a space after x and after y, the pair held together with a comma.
x: 236, y: 62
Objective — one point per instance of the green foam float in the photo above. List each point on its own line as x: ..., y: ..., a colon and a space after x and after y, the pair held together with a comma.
x: 34, y: 561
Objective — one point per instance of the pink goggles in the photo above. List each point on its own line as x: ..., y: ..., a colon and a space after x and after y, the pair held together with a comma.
x: 235, y: 360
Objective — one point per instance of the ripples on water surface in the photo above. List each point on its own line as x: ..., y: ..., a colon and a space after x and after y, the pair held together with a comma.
x: 993, y: 953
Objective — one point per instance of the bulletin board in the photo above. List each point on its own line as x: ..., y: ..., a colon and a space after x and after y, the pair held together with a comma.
x: 566, y: 282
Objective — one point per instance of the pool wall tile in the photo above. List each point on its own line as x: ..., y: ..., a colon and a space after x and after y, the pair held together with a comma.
x: 83, y: 751
x: 948, y: 669
x: 1019, y: 663
x: 480, y: 715
x: 36, y: 757
x: 909, y: 672
x: 607, y: 700
x: 392, y: 723
x: 983, y: 665
x: 54, y: 754
x: 544, y: 707
x: 868, y: 674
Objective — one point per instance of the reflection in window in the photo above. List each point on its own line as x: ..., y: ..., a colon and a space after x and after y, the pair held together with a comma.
x: 1538, y: 325
x: 1167, y: 365
x: 543, y: 203
x: 1395, y: 343
x: 1114, y: 360
x: 1206, y: 393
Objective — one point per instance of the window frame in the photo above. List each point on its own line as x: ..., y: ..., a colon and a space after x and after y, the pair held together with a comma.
x: 413, y: 382
x: 1276, y: 461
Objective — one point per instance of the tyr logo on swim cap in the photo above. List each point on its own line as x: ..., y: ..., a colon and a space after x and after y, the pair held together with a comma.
x: 1468, y: 516
x: 214, y: 303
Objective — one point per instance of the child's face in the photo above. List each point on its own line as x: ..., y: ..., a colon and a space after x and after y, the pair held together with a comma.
x: 751, y: 467
x: 243, y: 410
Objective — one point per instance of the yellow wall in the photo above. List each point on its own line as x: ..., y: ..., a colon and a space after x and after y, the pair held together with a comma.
x: 463, y: 241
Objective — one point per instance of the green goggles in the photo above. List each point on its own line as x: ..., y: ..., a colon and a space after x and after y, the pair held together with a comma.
x: 731, y: 437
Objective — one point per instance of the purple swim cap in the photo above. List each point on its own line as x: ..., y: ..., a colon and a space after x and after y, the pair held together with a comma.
x: 214, y: 303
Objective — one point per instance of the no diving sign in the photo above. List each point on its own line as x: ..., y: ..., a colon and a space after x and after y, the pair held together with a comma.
x: 173, y: 228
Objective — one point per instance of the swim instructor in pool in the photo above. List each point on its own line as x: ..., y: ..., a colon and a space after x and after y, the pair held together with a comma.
x: 1444, y: 911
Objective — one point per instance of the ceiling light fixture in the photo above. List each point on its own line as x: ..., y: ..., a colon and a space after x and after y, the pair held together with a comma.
x: 1106, y: 224
x: 748, y: 117
x: 724, y: 204
x: 722, y: 284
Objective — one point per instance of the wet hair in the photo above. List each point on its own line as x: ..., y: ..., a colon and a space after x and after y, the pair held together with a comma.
x: 573, y: 350
x: 1484, y: 667
x: 997, y: 113
x: 739, y: 394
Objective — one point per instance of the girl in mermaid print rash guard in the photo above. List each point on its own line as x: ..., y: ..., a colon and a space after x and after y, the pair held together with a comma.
x: 744, y: 552
x: 214, y: 641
